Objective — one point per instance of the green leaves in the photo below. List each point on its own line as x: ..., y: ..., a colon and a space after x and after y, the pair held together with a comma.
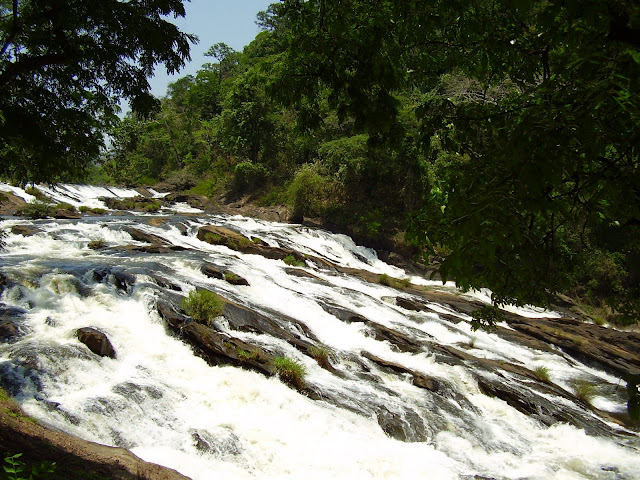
x: 15, y: 469
x: 63, y: 68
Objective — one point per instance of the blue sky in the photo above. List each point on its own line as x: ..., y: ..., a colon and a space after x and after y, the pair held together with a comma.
x: 213, y: 21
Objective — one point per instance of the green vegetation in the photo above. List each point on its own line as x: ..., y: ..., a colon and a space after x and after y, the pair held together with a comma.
x: 290, y: 371
x: 71, y: 78
x: 238, y: 243
x: 97, y: 244
x: 37, y: 209
x: 321, y: 354
x: 213, y: 238
x: 65, y: 206
x: 293, y: 261
x: 584, y: 390
x: 203, y: 305
x: 542, y: 374
x: 231, y: 277
x: 392, y: 282
x: 15, y: 469
x: 95, y: 210
x: 246, y: 355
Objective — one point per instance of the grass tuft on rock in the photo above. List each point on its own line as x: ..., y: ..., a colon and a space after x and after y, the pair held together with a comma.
x: 293, y: 261
x: 321, y: 354
x: 203, y: 305
x: 542, y: 374
x: 584, y: 390
x: 290, y: 371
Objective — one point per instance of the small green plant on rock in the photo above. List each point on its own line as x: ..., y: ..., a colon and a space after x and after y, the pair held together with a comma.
x: 203, y: 305
x: 66, y: 207
x: 293, y: 261
x: 96, y: 244
x: 290, y: 371
x: 321, y: 354
x: 213, y: 238
x: 238, y: 243
x: 542, y: 374
x: 584, y: 390
x: 246, y: 355
x: 389, y: 281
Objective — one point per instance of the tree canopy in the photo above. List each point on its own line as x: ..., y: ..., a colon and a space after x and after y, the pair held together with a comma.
x: 64, y: 66
x: 529, y: 112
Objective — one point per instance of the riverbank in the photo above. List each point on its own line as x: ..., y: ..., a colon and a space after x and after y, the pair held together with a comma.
x: 75, y: 459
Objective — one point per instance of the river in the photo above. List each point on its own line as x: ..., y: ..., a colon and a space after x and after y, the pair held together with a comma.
x: 366, y: 419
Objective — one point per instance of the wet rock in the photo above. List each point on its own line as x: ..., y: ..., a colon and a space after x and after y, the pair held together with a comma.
x: 403, y: 342
x: 417, y: 378
x: 222, y: 442
x: 9, y: 331
x: 280, y: 326
x: 342, y: 313
x: 10, y: 204
x: 157, y: 221
x: 3, y: 282
x: 164, y: 283
x: 10, y: 320
x: 212, y: 271
x: 221, y: 348
x: 146, y: 237
x: 121, y: 280
x: 410, y: 304
x: 66, y: 214
x: 191, y: 199
x: 235, y: 241
x: 169, y: 313
x: 96, y: 341
x: 24, y: 230
x: 616, y: 351
x: 297, y: 272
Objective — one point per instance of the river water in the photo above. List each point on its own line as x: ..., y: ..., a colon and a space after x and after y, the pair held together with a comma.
x: 167, y: 405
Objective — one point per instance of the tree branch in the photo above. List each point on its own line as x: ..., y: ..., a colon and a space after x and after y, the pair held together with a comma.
x: 14, y: 29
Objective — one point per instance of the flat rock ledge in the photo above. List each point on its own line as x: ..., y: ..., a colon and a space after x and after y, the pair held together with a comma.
x: 76, y: 459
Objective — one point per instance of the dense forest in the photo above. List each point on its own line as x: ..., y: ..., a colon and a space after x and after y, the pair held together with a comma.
x: 499, y: 138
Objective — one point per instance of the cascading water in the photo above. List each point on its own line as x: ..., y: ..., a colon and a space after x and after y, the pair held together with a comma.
x: 365, y: 419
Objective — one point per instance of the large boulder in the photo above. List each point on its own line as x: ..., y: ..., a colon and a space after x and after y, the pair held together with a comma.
x: 96, y: 341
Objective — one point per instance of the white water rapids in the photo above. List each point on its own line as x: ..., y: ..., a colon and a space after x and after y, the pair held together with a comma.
x: 168, y: 406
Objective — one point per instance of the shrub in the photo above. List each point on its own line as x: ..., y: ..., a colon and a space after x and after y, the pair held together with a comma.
x: 85, y: 209
x: 311, y: 193
x: 37, y: 210
x: 36, y: 193
x: 293, y: 261
x: 249, y: 176
x: 152, y: 207
x: 203, y: 305
x: 290, y: 371
x: 206, y: 187
x: 65, y: 206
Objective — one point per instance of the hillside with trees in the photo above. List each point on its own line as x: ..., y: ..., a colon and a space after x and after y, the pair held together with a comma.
x: 499, y: 138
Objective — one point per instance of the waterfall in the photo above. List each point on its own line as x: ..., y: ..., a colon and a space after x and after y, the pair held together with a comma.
x: 365, y: 417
